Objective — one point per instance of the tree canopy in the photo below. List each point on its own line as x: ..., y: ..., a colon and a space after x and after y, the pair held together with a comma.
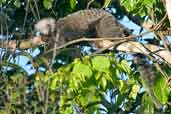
x: 100, y: 82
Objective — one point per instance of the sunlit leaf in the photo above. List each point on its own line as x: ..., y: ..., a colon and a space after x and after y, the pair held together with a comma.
x: 101, y: 63
x: 53, y: 84
x: 161, y: 89
x: 39, y: 76
x: 68, y: 110
x: 73, y: 3
x: 82, y: 69
x: 133, y: 6
x: 83, y: 100
x: 106, y: 3
x: 62, y: 100
x: 125, y: 66
x: 108, y: 77
x: 103, y: 83
x: 47, y: 4
x: 134, y: 91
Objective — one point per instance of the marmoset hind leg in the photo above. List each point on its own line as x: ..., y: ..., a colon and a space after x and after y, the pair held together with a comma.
x: 109, y: 27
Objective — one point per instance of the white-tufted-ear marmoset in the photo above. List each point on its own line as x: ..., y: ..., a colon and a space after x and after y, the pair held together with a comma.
x: 90, y: 23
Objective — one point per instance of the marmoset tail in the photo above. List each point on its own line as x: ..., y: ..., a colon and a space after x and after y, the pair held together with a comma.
x: 147, y: 76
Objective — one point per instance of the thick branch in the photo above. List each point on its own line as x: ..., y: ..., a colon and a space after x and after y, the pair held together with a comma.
x: 168, y: 5
x: 114, y: 39
x: 124, y: 45
x: 21, y: 44
x: 135, y: 47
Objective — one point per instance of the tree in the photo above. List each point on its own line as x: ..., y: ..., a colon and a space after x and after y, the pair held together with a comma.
x: 104, y: 83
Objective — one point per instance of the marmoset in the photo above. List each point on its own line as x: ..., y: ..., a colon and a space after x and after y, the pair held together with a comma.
x: 92, y: 23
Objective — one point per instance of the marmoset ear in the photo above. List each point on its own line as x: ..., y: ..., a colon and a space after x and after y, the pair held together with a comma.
x: 45, y: 26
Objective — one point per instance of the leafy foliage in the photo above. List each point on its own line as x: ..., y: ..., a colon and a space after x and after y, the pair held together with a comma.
x: 148, y: 10
x: 93, y: 84
x: 161, y: 89
x: 98, y: 84
x: 79, y: 86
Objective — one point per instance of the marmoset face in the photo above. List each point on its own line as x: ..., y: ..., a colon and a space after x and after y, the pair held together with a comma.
x: 46, y: 26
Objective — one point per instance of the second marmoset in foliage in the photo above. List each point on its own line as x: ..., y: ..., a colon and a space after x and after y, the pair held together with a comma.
x: 95, y: 23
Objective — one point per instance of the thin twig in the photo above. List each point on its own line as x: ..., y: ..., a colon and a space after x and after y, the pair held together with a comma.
x: 37, y: 9
x: 89, y: 3
x: 160, y: 22
x: 26, y: 14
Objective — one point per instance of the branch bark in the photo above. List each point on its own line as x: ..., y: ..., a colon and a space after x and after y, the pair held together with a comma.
x: 121, y: 43
x: 21, y: 44
x: 147, y: 49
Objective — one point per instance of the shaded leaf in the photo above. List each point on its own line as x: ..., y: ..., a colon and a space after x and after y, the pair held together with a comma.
x: 17, y: 3
x: 148, y: 105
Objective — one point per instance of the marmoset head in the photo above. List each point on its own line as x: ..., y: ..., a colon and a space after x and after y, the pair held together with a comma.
x: 45, y: 26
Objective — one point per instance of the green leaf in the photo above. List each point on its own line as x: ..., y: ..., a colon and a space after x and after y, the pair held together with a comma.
x: 3, y: 111
x: 103, y: 83
x: 106, y: 3
x: 2, y: 1
x: 16, y: 77
x: 125, y: 66
x: 120, y: 100
x: 83, y: 100
x: 82, y: 69
x: 101, y: 63
x: 123, y: 86
x: 134, y: 91
x: 68, y: 110
x: 47, y: 4
x: 148, y: 105
x: 62, y: 101
x: 73, y: 3
x: 17, y: 3
x: 53, y: 84
x: 161, y: 90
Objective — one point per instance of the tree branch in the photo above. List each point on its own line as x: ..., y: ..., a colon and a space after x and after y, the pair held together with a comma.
x: 114, y: 39
x: 124, y: 44
x: 21, y: 44
x: 147, y: 49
